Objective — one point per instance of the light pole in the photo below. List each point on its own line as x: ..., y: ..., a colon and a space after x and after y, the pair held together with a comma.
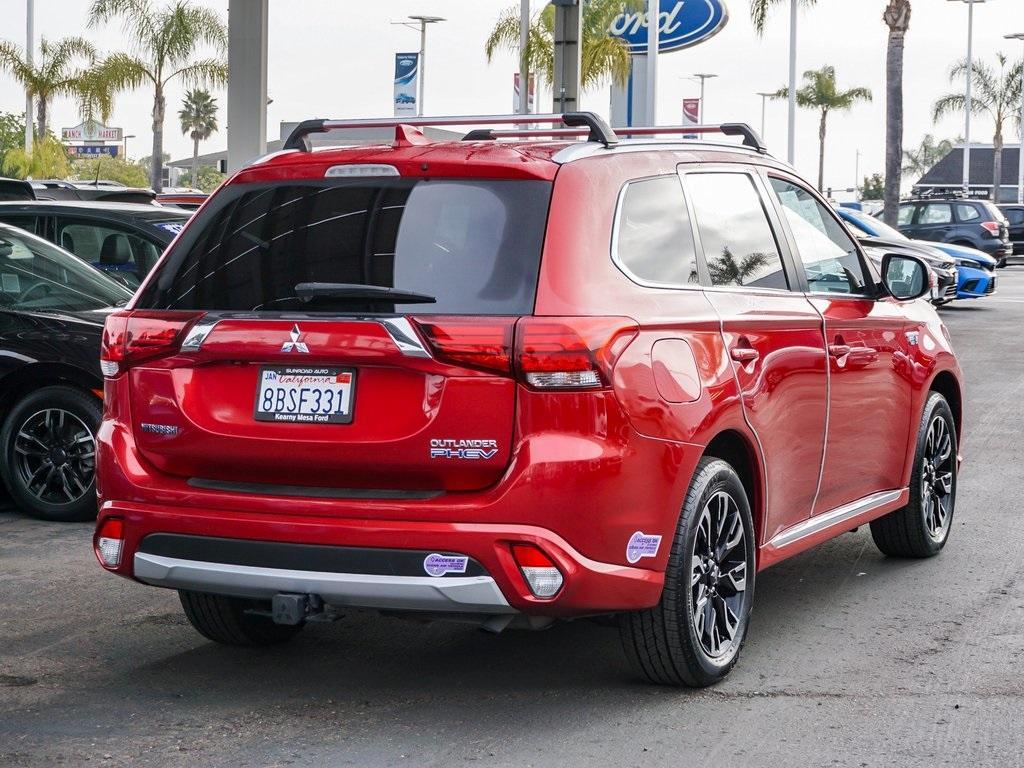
x: 30, y: 44
x: 791, y: 139
x: 524, y: 67
x: 967, y: 94
x: 764, y: 101
x: 702, y: 76
x: 423, y: 21
x: 653, y: 28
x: 125, y: 142
x: 1020, y: 133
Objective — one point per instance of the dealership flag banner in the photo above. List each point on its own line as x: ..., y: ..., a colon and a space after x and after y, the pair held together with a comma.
x: 515, y: 93
x: 691, y: 111
x: 407, y: 78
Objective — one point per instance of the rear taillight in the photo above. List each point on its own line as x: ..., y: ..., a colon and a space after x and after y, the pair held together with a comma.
x: 541, y: 575
x: 134, y: 336
x: 110, y: 542
x: 570, y: 352
x: 481, y: 343
x: 992, y: 227
x: 547, y: 353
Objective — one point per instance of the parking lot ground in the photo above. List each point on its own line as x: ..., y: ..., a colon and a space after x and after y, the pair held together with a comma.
x: 853, y: 659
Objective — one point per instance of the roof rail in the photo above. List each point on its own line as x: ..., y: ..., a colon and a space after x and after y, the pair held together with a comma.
x: 599, y: 131
x: 750, y: 137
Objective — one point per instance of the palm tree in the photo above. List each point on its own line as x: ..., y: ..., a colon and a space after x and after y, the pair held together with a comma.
x: 59, y: 71
x: 165, y: 40
x: 822, y: 93
x: 897, y: 19
x: 603, y: 57
x: 198, y: 117
x: 993, y: 93
x: 759, y: 11
x: 917, y: 162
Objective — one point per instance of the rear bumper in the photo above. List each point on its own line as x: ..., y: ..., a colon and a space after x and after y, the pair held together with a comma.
x: 590, y: 587
x: 466, y: 594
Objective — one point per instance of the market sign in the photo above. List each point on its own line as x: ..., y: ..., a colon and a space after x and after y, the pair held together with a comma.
x: 91, y: 131
x: 92, y: 150
x: 681, y: 23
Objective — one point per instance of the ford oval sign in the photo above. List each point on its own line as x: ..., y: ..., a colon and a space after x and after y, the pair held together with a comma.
x: 681, y: 23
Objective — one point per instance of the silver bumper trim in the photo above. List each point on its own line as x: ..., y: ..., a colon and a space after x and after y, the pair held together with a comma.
x: 460, y: 594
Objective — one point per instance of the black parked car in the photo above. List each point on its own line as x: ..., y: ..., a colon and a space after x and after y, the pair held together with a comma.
x: 973, y: 223
x: 52, y: 308
x: 100, y: 190
x: 1014, y: 214
x: 122, y: 239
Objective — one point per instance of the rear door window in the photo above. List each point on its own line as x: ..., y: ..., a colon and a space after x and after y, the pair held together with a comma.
x: 473, y: 245
x: 906, y: 215
x: 736, y: 238
x: 936, y: 213
x: 965, y: 212
x: 653, y: 241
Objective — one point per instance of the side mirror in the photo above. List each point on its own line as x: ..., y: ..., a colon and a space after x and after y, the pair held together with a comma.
x: 905, y: 277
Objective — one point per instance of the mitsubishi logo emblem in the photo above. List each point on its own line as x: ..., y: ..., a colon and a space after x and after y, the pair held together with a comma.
x: 295, y: 345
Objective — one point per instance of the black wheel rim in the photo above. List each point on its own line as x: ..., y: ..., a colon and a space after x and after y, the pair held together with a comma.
x: 718, y: 576
x: 937, y: 479
x: 55, y: 456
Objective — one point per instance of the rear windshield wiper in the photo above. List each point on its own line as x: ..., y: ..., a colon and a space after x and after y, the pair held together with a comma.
x: 360, y: 292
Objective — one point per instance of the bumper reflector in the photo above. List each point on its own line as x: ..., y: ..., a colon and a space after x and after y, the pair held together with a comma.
x: 542, y: 576
x: 110, y: 543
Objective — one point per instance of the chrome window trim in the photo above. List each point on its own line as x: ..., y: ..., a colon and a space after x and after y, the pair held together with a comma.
x: 398, y: 328
x: 633, y: 277
x: 197, y: 335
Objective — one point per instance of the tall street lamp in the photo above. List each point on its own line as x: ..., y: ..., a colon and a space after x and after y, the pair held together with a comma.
x: 523, y: 107
x: 653, y: 30
x: 702, y: 76
x: 967, y: 95
x: 791, y: 140
x: 764, y: 101
x: 423, y: 21
x: 124, y: 140
x: 1020, y: 133
x: 30, y: 44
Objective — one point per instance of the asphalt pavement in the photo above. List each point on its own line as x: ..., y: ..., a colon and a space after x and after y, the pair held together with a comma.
x: 853, y: 659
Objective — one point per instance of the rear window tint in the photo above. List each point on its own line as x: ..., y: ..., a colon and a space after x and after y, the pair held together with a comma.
x: 474, y: 245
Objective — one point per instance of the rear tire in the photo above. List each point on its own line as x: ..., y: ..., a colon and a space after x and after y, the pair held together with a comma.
x: 49, y: 453
x: 711, y: 564
x: 227, y: 620
x: 922, y: 528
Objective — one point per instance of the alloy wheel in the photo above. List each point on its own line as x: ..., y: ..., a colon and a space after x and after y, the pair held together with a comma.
x: 718, y: 576
x: 937, y: 467
x: 55, y: 456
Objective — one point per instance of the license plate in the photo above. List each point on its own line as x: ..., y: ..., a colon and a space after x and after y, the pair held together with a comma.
x: 305, y: 395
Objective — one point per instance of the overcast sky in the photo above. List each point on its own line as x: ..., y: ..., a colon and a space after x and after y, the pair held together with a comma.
x: 334, y: 58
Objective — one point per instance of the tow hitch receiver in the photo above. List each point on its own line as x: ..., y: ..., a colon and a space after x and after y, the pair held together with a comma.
x: 292, y: 609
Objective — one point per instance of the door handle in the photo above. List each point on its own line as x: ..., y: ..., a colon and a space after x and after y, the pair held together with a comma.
x: 744, y: 355
x: 838, y: 350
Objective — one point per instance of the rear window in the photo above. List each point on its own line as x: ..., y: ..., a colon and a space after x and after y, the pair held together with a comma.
x: 473, y: 245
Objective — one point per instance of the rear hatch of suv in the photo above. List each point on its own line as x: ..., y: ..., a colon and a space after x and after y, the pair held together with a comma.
x: 341, y: 334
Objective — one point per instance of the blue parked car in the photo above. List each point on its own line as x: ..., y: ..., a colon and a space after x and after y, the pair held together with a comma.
x: 976, y: 270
